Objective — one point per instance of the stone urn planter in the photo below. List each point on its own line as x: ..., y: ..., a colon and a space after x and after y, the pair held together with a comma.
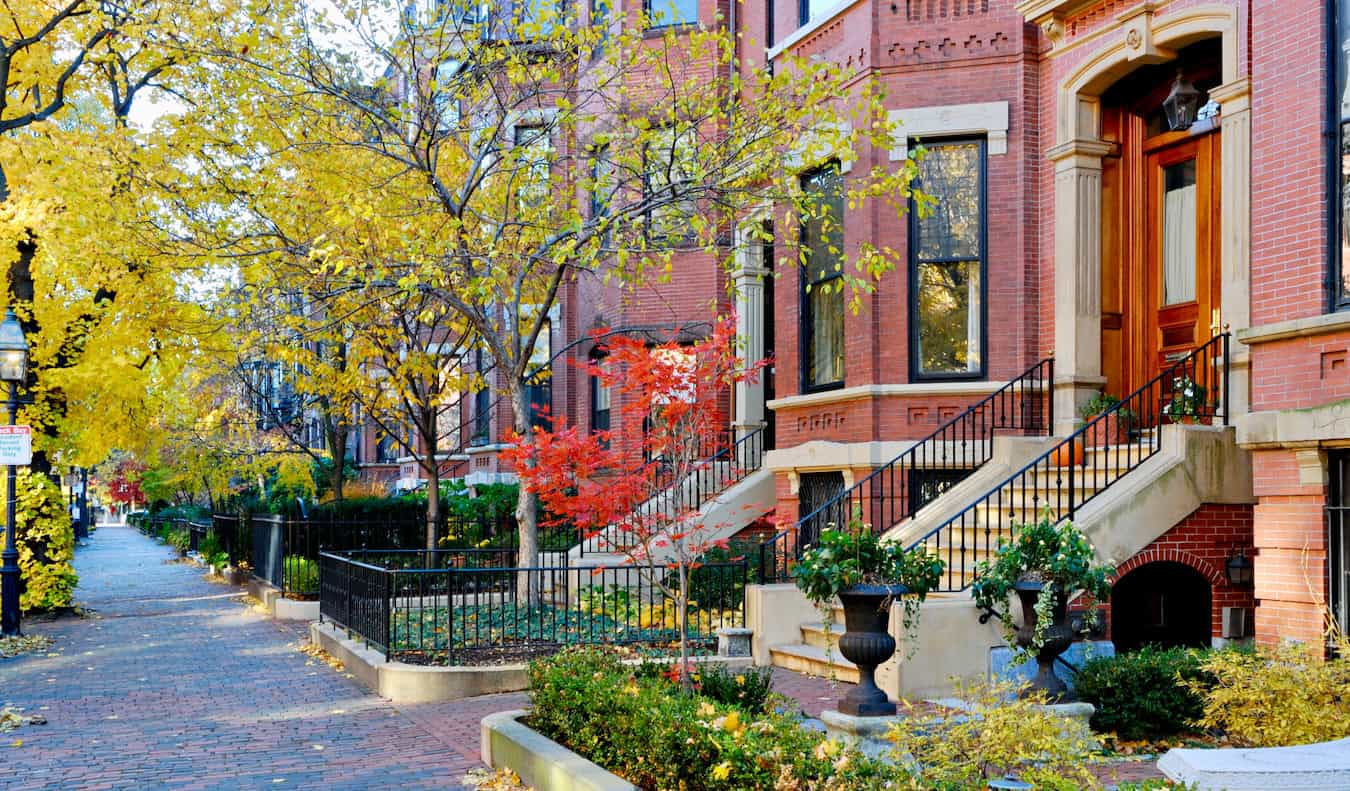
x: 867, y: 642
x: 1058, y: 637
x: 1113, y: 429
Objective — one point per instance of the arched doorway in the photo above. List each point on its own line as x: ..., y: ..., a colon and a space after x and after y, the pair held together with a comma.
x: 1147, y: 36
x: 1163, y: 603
x: 1161, y: 196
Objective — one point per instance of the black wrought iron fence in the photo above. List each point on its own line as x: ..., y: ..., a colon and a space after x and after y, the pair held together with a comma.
x: 412, y: 607
x: 285, y: 551
x: 1338, y: 544
x: 896, y: 490
x: 1066, y: 477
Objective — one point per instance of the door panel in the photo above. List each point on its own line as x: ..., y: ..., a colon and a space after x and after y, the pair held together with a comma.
x: 1182, y: 250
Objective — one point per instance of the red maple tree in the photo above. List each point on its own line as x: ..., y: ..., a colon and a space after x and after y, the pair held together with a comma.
x: 640, y: 507
x: 125, y: 486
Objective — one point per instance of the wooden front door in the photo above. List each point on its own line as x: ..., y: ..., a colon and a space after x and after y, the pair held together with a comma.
x: 1181, y: 260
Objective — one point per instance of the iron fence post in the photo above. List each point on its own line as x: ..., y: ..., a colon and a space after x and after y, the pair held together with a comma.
x: 347, y: 603
x: 388, y: 614
x: 1050, y: 399
x: 1225, y: 379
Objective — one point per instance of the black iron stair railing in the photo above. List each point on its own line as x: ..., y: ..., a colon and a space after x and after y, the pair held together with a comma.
x: 1067, y: 476
x: 896, y: 490
x: 721, y: 467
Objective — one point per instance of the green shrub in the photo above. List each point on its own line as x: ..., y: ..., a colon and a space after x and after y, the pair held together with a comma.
x: 179, y: 539
x: 1146, y: 693
x: 45, y: 539
x: 646, y: 731
x: 301, y: 575
x: 188, y: 511
x: 713, y: 583
x: 210, y: 546
x: 748, y: 688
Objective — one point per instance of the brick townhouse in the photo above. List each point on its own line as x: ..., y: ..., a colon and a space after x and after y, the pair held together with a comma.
x: 1141, y: 198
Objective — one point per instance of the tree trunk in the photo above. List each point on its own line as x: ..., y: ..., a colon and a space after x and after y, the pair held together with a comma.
x: 682, y: 612
x: 527, y: 515
x: 23, y: 291
x: 433, y: 470
x: 338, y: 450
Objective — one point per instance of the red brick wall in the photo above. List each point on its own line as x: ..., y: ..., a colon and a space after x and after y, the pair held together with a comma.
x: 1289, y: 195
x: 925, y: 53
x: 1205, y: 541
x: 1290, y: 535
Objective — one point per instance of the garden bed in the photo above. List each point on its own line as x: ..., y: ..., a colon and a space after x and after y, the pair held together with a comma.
x: 484, y: 634
x: 592, y: 713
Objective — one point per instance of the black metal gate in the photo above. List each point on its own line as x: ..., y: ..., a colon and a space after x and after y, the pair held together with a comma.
x: 1338, y: 539
x: 815, y: 489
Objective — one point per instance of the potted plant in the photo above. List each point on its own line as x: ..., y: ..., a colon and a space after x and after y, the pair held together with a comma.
x: 1187, y: 402
x: 867, y: 575
x: 1068, y: 453
x: 1114, y: 426
x: 1044, y: 565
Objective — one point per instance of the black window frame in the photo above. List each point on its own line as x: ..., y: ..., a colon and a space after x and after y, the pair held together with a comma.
x: 598, y: 358
x: 482, y: 403
x: 912, y: 262
x: 1337, y: 297
x: 805, y: 317
x: 601, y: 203
x: 651, y: 215
x: 653, y: 24
x: 599, y: 13
x: 386, y: 450
x: 513, y: 13
x: 539, y: 382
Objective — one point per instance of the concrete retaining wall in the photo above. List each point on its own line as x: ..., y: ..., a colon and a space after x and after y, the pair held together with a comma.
x: 542, y: 763
x: 404, y: 683
x: 279, y: 606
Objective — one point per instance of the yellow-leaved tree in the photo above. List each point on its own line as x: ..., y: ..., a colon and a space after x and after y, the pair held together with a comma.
x: 433, y: 174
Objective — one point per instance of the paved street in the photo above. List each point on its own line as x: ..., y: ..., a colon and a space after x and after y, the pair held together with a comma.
x: 171, y: 682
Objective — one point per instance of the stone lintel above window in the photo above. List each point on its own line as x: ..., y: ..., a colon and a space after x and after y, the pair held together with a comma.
x: 988, y: 118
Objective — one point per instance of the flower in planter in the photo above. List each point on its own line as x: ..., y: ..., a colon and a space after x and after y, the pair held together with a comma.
x: 1187, y: 401
x: 1059, y: 557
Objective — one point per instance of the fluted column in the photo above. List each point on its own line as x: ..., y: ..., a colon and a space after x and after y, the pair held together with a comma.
x: 1235, y: 245
x: 1078, y: 275
x: 748, y: 278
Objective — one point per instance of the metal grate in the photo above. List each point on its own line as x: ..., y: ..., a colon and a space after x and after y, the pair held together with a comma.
x: 1338, y: 539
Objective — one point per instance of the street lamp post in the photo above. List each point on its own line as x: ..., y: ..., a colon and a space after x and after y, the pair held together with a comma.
x: 13, y: 369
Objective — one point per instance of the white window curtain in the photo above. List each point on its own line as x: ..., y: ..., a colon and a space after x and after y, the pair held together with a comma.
x: 827, y: 331
x: 1179, y: 245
